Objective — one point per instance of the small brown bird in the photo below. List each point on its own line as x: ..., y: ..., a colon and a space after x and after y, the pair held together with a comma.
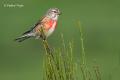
x: 48, y: 23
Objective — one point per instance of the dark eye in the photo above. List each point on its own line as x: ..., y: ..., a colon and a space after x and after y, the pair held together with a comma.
x: 55, y: 11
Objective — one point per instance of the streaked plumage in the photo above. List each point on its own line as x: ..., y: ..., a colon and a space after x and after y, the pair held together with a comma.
x: 48, y: 23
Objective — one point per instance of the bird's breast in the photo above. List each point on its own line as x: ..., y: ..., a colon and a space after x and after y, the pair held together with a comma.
x: 50, y: 24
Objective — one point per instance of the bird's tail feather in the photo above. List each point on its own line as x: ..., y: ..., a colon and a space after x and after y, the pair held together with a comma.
x: 22, y: 38
x: 25, y: 36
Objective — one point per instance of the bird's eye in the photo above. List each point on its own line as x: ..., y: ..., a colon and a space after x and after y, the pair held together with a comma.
x: 55, y: 11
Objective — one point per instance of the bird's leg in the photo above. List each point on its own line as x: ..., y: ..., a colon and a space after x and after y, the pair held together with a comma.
x: 42, y: 33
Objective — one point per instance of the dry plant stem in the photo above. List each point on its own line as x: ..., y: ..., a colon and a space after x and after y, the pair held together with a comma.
x: 83, y: 72
x: 90, y: 77
x: 47, y: 48
x: 45, y: 43
x: 84, y: 68
x: 83, y: 65
x: 97, y: 72
x: 49, y: 58
x: 82, y: 44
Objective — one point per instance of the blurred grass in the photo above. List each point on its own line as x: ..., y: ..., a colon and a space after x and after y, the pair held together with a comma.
x: 100, y: 20
x: 59, y: 64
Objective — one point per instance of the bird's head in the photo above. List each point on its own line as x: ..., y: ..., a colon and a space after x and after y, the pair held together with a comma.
x: 53, y: 13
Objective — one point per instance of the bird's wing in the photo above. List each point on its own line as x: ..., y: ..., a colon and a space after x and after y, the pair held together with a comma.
x: 31, y: 29
x: 42, y: 22
x: 46, y: 23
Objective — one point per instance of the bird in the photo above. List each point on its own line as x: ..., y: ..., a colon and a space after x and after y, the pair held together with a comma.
x: 47, y: 23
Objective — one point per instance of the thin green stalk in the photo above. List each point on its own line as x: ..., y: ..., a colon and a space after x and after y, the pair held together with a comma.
x: 84, y: 68
x: 82, y: 44
x: 97, y: 72
x: 83, y: 65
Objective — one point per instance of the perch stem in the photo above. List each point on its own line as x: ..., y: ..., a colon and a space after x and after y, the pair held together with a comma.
x: 45, y: 43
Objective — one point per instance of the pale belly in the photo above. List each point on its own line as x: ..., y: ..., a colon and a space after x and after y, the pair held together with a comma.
x: 47, y: 33
x: 50, y: 31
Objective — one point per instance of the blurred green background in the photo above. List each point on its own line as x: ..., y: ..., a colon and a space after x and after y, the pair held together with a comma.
x: 100, y: 20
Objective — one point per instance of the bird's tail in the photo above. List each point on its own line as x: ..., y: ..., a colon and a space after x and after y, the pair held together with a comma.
x: 20, y: 39
x: 24, y: 37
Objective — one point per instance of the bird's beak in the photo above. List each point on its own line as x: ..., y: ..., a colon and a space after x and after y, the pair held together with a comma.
x: 59, y: 13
